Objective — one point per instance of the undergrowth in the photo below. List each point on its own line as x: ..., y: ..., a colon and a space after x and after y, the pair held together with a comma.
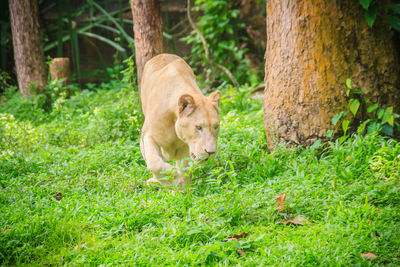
x: 72, y: 191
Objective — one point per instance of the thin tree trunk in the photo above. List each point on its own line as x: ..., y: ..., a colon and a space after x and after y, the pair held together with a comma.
x: 312, y: 48
x: 148, y: 29
x: 59, y: 69
x: 28, y: 49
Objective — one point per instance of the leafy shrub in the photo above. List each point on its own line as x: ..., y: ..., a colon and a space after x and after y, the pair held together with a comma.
x: 111, y: 112
x: 373, y: 119
x: 389, y: 10
x: 223, y: 32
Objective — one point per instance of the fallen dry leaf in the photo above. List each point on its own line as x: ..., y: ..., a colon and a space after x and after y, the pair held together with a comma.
x: 236, y: 237
x: 368, y: 255
x: 5, y: 229
x: 280, y: 206
x: 241, y: 252
x: 58, y: 196
x: 281, y: 198
x: 298, y: 220
x: 137, y: 188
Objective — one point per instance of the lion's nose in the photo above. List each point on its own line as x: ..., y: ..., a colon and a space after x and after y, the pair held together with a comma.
x: 212, y: 151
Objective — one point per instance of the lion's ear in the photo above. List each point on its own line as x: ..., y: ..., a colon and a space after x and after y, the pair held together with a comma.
x: 186, y: 105
x: 214, y: 98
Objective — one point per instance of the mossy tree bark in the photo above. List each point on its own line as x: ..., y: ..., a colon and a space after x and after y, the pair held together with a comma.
x: 312, y: 48
x: 28, y: 49
x: 148, y: 28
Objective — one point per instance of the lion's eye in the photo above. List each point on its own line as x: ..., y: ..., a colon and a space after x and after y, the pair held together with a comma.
x: 198, y: 127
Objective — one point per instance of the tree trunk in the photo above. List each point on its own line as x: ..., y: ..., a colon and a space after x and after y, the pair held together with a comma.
x: 60, y: 70
x: 312, y: 48
x: 28, y: 49
x: 148, y: 29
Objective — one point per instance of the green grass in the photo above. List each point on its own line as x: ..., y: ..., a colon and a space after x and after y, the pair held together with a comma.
x: 71, y: 192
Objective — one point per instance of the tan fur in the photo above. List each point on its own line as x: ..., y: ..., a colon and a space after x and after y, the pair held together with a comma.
x: 179, y: 120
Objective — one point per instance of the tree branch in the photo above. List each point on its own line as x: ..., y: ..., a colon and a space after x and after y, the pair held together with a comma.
x: 206, y: 51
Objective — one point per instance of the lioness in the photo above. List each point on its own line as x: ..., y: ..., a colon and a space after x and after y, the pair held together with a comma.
x: 179, y: 120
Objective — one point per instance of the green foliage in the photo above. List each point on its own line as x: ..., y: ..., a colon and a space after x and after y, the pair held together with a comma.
x: 370, y: 11
x: 394, y: 16
x: 354, y: 104
x: 220, y: 25
x: 365, y: 3
x: 390, y: 12
x: 72, y: 193
x: 378, y: 119
x: 112, y: 120
x: 370, y: 15
x: 5, y: 80
x: 75, y: 20
x: 70, y: 28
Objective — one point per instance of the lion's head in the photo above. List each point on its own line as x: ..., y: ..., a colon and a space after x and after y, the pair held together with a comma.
x: 198, y: 123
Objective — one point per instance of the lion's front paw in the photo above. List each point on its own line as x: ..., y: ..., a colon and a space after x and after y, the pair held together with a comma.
x: 152, y: 182
x: 181, y: 180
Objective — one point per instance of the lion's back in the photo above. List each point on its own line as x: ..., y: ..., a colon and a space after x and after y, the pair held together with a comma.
x: 165, y: 77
